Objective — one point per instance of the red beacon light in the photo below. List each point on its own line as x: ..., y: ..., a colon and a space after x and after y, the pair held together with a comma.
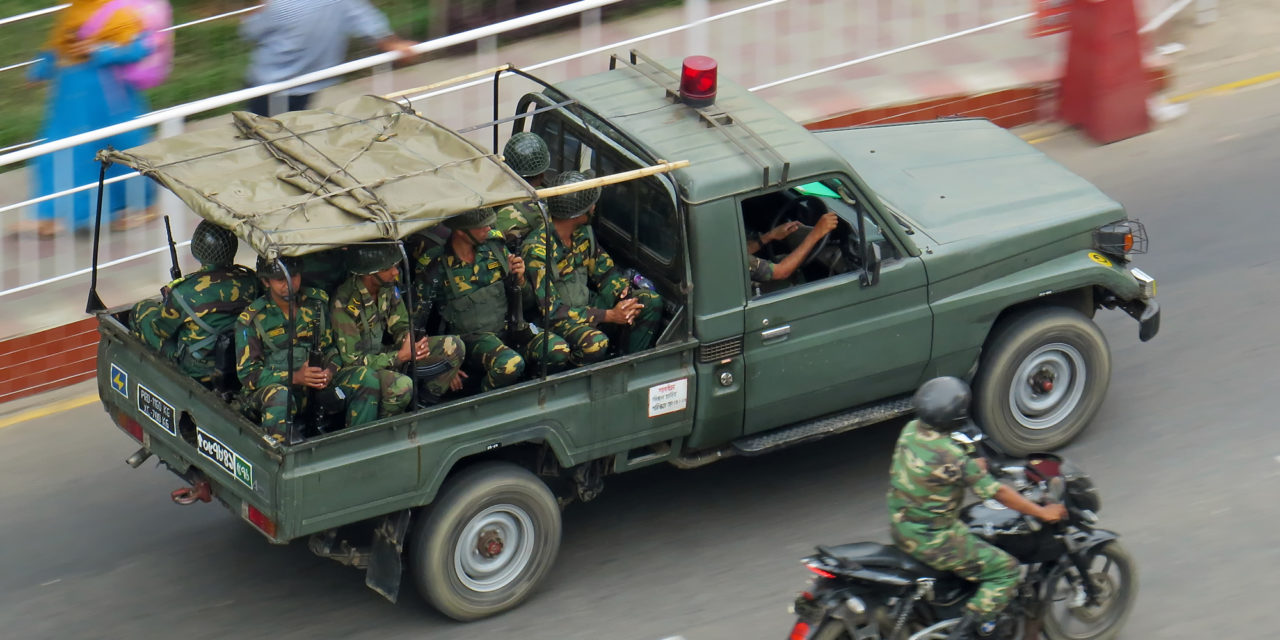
x: 698, y: 81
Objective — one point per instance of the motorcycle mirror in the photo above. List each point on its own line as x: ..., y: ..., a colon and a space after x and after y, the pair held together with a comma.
x: 968, y: 435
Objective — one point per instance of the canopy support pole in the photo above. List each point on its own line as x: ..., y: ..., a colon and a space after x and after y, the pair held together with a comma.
x: 94, y: 304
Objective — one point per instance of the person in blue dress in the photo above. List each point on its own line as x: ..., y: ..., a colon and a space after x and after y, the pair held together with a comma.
x: 85, y: 93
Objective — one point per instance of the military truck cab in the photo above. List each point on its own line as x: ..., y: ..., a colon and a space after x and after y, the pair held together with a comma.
x: 961, y: 250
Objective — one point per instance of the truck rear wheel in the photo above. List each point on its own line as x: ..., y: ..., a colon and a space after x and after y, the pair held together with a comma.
x: 487, y: 541
x: 1042, y: 378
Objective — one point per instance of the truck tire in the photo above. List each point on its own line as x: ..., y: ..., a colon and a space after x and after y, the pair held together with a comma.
x: 487, y: 541
x: 1041, y: 379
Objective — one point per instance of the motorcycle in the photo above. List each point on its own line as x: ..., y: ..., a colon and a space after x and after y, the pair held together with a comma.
x: 1078, y: 582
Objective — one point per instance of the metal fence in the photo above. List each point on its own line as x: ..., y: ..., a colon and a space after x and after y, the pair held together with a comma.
x: 742, y: 34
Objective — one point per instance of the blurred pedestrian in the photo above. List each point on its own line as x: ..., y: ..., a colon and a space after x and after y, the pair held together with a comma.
x: 296, y: 37
x: 91, y: 43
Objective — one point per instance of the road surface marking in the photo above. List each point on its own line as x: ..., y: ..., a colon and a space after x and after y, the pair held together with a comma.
x: 48, y: 410
x: 1037, y: 137
x: 1228, y: 87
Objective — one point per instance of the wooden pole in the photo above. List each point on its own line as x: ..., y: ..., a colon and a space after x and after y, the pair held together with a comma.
x: 602, y: 181
x: 445, y: 83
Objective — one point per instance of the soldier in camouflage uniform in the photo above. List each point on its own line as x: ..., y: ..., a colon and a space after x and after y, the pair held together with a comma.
x: 197, y: 310
x: 263, y: 345
x: 927, y: 483
x: 584, y: 291
x: 527, y: 155
x: 367, y: 306
x: 466, y: 278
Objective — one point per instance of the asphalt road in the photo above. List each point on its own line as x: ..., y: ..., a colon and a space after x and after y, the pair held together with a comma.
x: 1185, y: 453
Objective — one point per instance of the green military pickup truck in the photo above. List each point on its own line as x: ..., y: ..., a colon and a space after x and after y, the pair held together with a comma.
x: 961, y: 250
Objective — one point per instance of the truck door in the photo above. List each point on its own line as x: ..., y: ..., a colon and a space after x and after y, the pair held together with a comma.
x: 830, y: 342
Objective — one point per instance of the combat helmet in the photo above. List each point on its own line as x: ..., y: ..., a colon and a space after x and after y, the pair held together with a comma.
x: 371, y: 257
x: 572, y: 205
x: 527, y: 154
x: 213, y: 246
x: 269, y: 268
x: 473, y: 219
x: 942, y: 404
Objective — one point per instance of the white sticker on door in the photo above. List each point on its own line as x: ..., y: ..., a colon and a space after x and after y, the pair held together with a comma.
x: 668, y: 397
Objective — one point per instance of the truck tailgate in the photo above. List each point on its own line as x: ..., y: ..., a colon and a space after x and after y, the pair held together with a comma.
x: 191, y: 429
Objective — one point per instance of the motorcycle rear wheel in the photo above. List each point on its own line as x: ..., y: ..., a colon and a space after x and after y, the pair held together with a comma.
x: 1066, y: 618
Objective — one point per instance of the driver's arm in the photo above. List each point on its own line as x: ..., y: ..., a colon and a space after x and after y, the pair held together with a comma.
x: 826, y: 224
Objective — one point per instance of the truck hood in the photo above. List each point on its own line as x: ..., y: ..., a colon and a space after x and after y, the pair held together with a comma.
x: 954, y: 180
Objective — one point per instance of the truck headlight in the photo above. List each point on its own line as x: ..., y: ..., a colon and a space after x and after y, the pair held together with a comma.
x: 1121, y: 238
x: 1146, y: 284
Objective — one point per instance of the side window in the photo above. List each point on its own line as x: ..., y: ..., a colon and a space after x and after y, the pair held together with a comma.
x: 778, y: 226
x: 636, y: 218
x: 640, y: 210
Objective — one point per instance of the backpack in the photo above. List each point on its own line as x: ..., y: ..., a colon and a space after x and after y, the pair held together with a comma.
x: 156, y: 17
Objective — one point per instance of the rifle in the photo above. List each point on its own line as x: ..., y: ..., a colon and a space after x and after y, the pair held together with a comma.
x: 424, y: 372
x: 324, y: 406
x: 174, y: 271
x: 517, y: 333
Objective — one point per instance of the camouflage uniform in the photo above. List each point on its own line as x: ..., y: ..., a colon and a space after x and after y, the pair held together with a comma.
x: 927, y: 483
x: 474, y: 300
x: 360, y: 319
x: 184, y: 325
x: 262, y: 342
x: 518, y: 219
x: 759, y: 269
x: 573, y: 311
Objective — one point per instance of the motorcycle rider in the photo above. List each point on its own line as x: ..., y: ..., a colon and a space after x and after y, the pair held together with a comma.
x: 927, y: 482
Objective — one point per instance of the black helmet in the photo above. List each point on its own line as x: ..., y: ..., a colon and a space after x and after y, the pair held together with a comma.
x: 942, y: 404
x: 371, y: 257
x: 473, y: 219
x: 270, y: 268
x: 572, y: 205
x: 526, y: 154
x: 213, y: 246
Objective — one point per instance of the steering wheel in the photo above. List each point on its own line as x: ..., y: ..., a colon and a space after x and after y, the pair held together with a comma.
x: 805, y: 209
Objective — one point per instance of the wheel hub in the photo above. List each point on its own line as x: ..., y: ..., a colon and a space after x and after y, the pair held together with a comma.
x: 1104, y: 587
x: 1047, y: 386
x: 489, y: 544
x: 1042, y: 381
x: 494, y: 548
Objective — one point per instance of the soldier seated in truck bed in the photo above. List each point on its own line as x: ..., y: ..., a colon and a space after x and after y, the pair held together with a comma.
x: 191, y: 325
x: 577, y: 281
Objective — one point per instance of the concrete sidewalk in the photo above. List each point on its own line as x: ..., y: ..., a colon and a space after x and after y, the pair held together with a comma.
x: 754, y: 46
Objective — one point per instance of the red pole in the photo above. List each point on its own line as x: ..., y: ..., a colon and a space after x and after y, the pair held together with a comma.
x: 1104, y: 89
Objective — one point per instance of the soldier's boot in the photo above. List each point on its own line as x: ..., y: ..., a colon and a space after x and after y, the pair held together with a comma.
x: 967, y: 628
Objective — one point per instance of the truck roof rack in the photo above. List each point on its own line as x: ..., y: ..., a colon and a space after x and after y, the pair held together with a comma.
x: 734, y: 130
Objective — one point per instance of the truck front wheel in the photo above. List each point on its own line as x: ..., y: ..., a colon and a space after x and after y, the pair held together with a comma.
x: 1041, y: 380
x: 487, y: 541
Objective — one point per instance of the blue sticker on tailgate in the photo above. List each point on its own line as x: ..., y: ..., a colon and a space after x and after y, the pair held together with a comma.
x: 119, y: 380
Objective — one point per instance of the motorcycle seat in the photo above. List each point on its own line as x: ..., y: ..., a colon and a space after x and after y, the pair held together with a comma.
x: 876, y: 555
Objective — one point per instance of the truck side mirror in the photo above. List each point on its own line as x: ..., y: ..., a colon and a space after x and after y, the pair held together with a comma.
x: 871, y: 265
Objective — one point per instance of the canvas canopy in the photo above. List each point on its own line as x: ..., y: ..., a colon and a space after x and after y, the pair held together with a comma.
x: 304, y: 181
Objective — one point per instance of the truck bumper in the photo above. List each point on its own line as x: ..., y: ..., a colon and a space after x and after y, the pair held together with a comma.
x: 1147, y: 313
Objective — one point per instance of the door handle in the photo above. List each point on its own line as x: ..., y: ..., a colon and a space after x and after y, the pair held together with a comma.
x: 776, y: 332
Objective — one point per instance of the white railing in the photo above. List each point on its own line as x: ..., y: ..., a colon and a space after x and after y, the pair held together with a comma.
x: 50, y: 263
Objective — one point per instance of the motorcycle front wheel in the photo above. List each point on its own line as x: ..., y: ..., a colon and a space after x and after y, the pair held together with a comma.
x: 1068, y: 614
